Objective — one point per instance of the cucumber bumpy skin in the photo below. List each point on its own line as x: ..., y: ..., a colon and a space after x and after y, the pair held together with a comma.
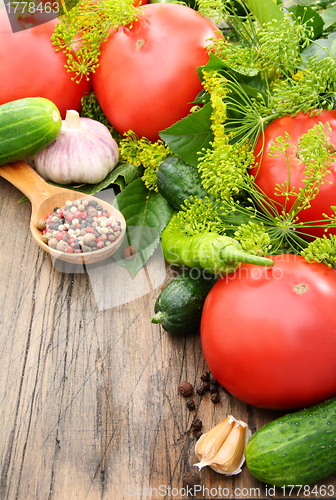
x: 179, y: 306
x: 178, y: 181
x: 296, y: 449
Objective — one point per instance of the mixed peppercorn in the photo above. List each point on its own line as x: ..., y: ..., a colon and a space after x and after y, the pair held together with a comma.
x: 79, y: 226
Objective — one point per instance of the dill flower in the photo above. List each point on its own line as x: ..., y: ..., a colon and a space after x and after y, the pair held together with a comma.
x: 322, y: 250
x: 280, y: 45
x: 253, y: 238
x: 199, y: 216
x: 143, y: 152
x: 89, y: 22
x: 312, y: 87
x: 223, y: 169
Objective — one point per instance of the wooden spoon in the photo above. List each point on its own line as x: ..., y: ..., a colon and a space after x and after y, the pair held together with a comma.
x: 44, y: 198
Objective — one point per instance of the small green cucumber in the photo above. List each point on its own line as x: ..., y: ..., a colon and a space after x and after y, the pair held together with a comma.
x: 296, y: 449
x: 27, y: 126
x: 177, y: 181
x: 179, y: 306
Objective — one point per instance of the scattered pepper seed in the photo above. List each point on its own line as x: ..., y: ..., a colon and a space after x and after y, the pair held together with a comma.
x: 206, y: 386
x: 129, y: 252
x: 213, y: 381
x: 205, y: 376
x: 200, y: 389
x: 197, y: 423
x: 213, y: 388
x: 191, y: 404
x: 215, y: 398
x: 185, y: 388
x: 191, y: 479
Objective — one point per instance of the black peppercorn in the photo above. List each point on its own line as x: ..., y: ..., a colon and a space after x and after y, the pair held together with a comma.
x: 191, y: 404
x: 205, y: 376
x: 200, y: 389
x: 185, y: 388
x: 197, y: 423
x: 213, y: 388
x: 215, y: 398
x: 213, y: 381
x: 191, y: 479
x: 206, y: 386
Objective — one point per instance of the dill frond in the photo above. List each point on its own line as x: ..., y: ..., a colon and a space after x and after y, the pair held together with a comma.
x: 322, y: 250
x: 314, y: 152
x: 83, y: 29
x: 211, y: 8
x: 280, y: 44
x: 91, y: 109
x: 142, y: 152
x: 224, y: 169
x: 241, y: 58
x: 312, y: 87
x: 254, y: 239
x: 199, y: 216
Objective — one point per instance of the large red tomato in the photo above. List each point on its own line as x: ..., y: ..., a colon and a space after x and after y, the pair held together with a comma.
x: 273, y: 170
x: 147, y: 76
x: 30, y: 67
x: 269, y: 334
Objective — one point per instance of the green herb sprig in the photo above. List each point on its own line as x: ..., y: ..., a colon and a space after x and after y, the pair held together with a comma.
x: 84, y: 28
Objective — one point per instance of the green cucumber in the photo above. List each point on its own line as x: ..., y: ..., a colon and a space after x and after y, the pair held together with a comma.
x: 179, y: 306
x: 177, y: 181
x: 27, y: 126
x: 296, y: 449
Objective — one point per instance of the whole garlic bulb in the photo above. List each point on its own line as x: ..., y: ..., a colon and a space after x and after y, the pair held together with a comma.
x: 83, y: 152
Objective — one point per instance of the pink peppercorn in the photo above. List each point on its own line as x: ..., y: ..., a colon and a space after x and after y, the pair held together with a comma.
x: 59, y: 235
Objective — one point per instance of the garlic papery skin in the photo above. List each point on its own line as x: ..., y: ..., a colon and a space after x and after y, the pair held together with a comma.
x: 84, y: 152
x: 222, y: 448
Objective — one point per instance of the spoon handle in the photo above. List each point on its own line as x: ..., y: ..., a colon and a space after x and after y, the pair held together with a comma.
x: 28, y: 181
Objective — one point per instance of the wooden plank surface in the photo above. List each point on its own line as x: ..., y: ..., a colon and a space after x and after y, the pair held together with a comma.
x: 88, y: 389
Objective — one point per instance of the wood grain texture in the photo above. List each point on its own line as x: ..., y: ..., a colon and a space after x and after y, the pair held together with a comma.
x: 88, y: 392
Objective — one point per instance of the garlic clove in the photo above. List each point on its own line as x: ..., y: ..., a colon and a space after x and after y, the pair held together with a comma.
x: 223, y: 454
x: 209, y: 443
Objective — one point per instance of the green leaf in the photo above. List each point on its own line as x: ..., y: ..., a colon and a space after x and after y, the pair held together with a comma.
x: 121, y: 175
x: 190, y: 135
x: 321, y: 48
x: 306, y: 15
x: 329, y: 17
x: 215, y: 63
x: 265, y: 10
x: 147, y: 214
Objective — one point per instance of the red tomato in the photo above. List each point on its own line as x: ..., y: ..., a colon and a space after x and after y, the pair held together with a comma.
x: 30, y: 67
x: 269, y: 334
x: 147, y: 77
x: 274, y: 170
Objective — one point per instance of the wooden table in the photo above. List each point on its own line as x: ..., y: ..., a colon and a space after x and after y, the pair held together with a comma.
x: 89, y: 400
